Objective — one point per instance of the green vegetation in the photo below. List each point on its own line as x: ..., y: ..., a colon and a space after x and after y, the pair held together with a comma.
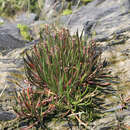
x: 77, y: 4
x: 24, y: 31
x: 86, y: 1
x: 67, y: 11
x: 9, y: 8
x: 69, y: 78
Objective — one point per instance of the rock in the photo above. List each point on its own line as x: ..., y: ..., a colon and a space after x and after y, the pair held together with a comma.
x: 9, y: 33
x: 105, y: 18
x: 9, y: 29
x: 9, y: 42
x: 25, y: 18
x: 11, y: 70
x: 10, y: 37
x: 49, y: 6
x: 118, y: 56
x: 6, y: 116
x: 52, y: 8
x: 111, y: 120
x: 11, y: 61
x: 126, y: 52
x: 1, y: 20
x: 63, y: 125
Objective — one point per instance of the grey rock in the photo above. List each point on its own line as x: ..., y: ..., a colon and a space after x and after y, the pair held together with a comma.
x: 25, y: 18
x: 49, y: 6
x: 9, y: 42
x: 6, y: 116
x: 126, y: 52
x: 105, y: 17
x: 119, y: 107
x: 53, y: 7
x: 87, y: 27
x: 1, y: 20
x: 111, y: 120
x: 10, y: 37
x: 9, y: 29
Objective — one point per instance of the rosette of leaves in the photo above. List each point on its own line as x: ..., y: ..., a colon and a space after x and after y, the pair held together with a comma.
x: 68, y: 76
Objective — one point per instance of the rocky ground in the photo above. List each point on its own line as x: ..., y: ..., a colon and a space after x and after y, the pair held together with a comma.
x: 108, y: 22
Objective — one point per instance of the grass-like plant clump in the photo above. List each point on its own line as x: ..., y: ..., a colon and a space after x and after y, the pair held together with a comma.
x: 68, y: 77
